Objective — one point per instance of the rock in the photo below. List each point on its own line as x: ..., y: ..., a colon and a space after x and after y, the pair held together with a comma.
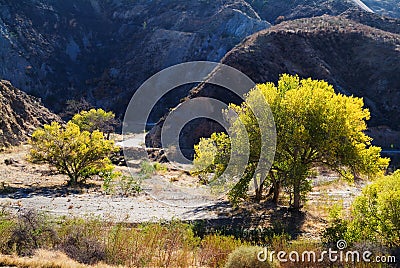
x: 102, y: 51
x: 10, y: 161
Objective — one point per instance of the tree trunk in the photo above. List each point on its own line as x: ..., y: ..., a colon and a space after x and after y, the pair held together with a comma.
x: 259, y: 191
x: 270, y: 191
x: 73, y: 180
x: 277, y: 191
x: 296, y: 194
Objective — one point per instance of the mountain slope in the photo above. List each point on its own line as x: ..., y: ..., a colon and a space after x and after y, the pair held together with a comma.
x: 390, y: 8
x: 276, y: 11
x: 20, y: 115
x: 357, y: 59
x: 103, y: 50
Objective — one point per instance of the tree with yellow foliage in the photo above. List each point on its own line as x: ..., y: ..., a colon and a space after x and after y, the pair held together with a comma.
x: 95, y: 120
x: 315, y: 127
x: 77, y: 153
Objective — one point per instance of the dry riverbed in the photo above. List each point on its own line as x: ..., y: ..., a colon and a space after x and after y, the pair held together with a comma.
x: 24, y: 185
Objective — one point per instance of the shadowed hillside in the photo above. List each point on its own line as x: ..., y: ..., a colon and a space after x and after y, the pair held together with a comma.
x: 357, y: 59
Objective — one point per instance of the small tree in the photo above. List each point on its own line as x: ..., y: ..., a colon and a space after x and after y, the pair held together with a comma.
x: 73, y: 107
x: 95, y: 120
x: 75, y: 153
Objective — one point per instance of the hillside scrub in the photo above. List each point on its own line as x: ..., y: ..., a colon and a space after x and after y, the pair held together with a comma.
x: 164, y: 244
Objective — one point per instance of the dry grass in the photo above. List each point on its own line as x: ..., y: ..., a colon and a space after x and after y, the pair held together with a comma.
x: 45, y: 259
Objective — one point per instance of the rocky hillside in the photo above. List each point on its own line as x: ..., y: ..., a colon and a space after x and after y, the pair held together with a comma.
x: 21, y: 114
x: 357, y: 59
x: 103, y: 50
x: 374, y: 20
x: 276, y: 11
x: 390, y: 8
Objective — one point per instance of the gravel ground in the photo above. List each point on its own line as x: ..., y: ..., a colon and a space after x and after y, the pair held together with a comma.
x: 27, y: 186
x: 127, y: 209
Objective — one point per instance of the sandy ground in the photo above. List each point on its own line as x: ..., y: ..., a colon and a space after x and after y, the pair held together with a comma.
x: 28, y: 186
x: 126, y: 209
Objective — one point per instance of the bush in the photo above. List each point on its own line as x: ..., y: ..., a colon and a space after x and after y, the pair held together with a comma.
x: 152, y: 245
x: 29, y: 232
x: 246, y: 257
x: 75, y: 153
x: 337, y: 227
x: 7, y: 225
x: 375, y: 214
x: 147, y: 169
x: 123, y: 185
x: 215, y: 249
x: 160, y: 168
x: 83, y: 240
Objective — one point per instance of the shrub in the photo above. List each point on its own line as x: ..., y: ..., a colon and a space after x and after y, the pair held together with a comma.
x: 152, y: 245
x: 147, y: 169
x: 160, y: 168
x: 75, y: 153
x: 7, y: 225
x: 29, y: 232
x: 123, y: 185
x: 337, y: 227
x: 246, y: 257
x: 375, y: 214
x: 129, y: 185
x: 83, y: 240
x: 215, y: 249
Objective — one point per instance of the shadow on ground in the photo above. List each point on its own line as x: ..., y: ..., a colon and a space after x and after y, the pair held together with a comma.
x: 14, y: 192
x: 253, y: 222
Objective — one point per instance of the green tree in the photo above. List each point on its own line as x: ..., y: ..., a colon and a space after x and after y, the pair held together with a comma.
x: 95, y: 120
x: 314, y: 126
x: 73, y: 107
x: 73, y: 152
x: 376, y: 213
x: 212, y: 154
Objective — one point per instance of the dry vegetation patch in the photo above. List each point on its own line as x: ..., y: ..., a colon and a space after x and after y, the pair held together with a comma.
x: 45, y: 259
